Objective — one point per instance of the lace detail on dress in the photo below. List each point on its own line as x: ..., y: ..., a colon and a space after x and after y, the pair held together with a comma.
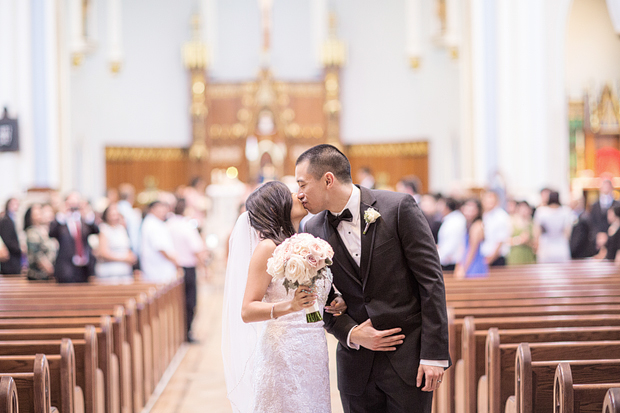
x: 291, y: 371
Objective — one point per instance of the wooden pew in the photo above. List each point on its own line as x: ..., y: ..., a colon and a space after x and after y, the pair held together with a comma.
x: 446, y: 393
x: 535, y: 365
x: 33, y: 389
x: 611, y: 404
x: 9, y: 402
x: 88, y: 376
x: 497, y: 384
x: 103, y: 329
x: 148, y: 298
x: 581, y: 386
x: 154, y: 327
x: 121, y: 348
x: 472, y: 348
x: 64, y: 394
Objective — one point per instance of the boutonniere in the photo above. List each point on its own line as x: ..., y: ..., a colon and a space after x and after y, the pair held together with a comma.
x: 370, y: 216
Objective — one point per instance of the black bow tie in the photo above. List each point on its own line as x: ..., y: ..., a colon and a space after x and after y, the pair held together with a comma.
x: 334, y: 220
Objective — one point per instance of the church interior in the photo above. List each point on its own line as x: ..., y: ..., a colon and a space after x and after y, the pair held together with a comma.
x: 114, y: 111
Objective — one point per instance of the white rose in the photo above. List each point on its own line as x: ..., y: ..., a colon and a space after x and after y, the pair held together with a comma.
x: 371, y: 215
x: 296, y: 269
x: 275, y: 267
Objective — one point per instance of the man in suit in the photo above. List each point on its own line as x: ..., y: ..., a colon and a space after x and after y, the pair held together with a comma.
x: 72, y: 229
x: 8, y: 233
x: 393, y: 339
x: 598, y: 213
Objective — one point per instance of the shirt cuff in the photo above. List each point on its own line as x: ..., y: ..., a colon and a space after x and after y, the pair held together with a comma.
x: 436, y: 363
x: 349, y: 344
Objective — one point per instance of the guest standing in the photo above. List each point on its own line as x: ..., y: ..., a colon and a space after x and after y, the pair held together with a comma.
x: 8, y: 233
x: 115, y: 258
x: 496, y: 230
x: 610, y: 250
x: 41, y: 248
x: 190, y: 251
x: 451, y: 236
x: 473, y: 263
x: 598, y: 212
x: 552, y: 228
x: 521, y: 249
x: 158, y: 256
x: 71, y: 228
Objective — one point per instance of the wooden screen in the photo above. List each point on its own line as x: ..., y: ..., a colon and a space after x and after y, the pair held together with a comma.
x: 390, y: 162
x: 145, y: 168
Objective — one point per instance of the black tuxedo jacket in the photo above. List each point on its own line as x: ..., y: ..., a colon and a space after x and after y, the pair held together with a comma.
x: 598, y: 215
x: 64, y: 269
x: 399, y: 283
x: 10, y: 239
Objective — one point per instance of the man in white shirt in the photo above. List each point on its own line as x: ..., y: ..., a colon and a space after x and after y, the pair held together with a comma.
x: 190, y: 250
x: 497, y: 230
x: 158, y: 257
x: 451, y: 237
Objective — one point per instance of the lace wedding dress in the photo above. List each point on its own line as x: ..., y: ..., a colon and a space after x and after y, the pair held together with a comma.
x: 291, y: 372
x: 279, y: 365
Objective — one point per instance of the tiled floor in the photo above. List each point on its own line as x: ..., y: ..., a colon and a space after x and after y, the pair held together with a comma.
x: 198, y: 383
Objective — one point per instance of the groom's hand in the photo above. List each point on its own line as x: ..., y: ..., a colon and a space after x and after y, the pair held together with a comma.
x: 366, y: 336
x: 432, y: 375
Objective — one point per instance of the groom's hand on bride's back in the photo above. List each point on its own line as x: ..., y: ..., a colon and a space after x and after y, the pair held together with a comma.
x: 337, y: 307
x: 368, y: 337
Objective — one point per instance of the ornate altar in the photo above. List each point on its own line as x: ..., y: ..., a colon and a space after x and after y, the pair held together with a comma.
x: 256, y: 130
x: 594, y: 124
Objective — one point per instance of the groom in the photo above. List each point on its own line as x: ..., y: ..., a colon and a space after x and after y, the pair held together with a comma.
x: 394, y: 336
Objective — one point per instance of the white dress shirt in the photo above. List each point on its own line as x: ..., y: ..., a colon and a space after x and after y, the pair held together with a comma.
x: 451, y: 238
x: 497, y: 230
x: 351, y: 235
x: 155, y: 238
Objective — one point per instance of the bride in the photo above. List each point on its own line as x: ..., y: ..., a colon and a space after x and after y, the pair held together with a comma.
x: 277, y: 361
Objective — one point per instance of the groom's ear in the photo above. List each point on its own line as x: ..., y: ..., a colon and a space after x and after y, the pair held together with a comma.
x: 329, y: 179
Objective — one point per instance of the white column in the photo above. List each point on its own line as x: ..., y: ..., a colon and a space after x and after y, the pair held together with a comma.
x: 115, y: 34
x: 23, y: 91
x: 466, y: 142
x: 413, y: 15
x: 208, y: 11
x: 61, y: 115
x: 320, y: 19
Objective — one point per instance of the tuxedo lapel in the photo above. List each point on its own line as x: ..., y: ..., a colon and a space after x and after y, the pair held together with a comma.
x: 341, y: 254
x: 368, y: 240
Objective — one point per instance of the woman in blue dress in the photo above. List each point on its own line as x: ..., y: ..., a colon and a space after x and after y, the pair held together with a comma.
x: 473, y: 263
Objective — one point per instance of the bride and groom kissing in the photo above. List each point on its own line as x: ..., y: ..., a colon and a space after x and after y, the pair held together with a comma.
x: 390, y: 319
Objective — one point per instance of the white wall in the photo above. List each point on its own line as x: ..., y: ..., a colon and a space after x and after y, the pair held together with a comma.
x: 16, y: 168
x: 384, y: 99
x: 592, y: 48
x: 146, y: 104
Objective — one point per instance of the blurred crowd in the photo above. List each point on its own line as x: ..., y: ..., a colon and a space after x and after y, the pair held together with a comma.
x: 69, y: 240
x: 491, y: 229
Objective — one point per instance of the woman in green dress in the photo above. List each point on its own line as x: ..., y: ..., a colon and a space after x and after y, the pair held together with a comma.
x: 521, y: 249
x: 41, y: 249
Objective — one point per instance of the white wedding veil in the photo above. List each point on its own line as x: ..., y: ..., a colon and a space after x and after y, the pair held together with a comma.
x: 239, y: 340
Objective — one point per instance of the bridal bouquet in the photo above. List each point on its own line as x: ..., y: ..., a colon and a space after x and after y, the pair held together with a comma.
x: 302, y: 260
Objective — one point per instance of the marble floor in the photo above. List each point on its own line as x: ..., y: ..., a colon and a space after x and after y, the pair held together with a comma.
x: 198, y: 384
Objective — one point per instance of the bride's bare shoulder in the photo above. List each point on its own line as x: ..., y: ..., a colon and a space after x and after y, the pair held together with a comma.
x: 265, y: 248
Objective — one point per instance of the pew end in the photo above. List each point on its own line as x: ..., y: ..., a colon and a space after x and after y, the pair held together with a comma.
x: 611, y: 404
x: 8, y: 396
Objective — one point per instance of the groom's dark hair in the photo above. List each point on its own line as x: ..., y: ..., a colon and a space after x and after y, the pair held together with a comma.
x: 327, y: 158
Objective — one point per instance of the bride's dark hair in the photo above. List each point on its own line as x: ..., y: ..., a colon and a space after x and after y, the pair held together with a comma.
x: 269, y: 208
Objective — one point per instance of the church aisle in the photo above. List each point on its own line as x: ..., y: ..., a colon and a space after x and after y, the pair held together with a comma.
x: 198, y: 383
